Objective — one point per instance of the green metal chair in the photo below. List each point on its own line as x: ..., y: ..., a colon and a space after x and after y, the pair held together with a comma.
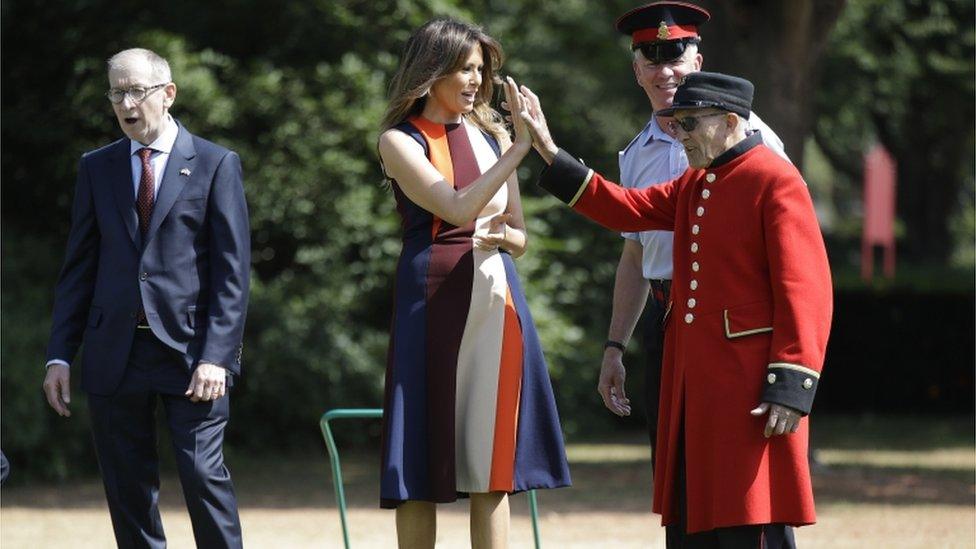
x: 340, y: 493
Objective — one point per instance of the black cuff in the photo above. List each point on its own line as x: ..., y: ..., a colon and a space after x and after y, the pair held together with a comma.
x: 790, y: 387
x: 564, y: 177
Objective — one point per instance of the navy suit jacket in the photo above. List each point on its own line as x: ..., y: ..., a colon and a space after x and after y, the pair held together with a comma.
x: 190, y: 272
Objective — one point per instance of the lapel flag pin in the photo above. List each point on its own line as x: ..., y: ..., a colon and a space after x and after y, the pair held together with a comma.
x: 185, y: 171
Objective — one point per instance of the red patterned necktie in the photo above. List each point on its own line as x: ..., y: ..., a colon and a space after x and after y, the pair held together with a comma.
x: 147, y: 191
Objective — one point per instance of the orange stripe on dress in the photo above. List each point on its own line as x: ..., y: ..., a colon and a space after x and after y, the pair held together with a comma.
x: 506, y: 411
x: 440, y: 155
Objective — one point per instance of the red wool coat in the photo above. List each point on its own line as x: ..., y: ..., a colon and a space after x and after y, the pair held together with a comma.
x: 748, y: 322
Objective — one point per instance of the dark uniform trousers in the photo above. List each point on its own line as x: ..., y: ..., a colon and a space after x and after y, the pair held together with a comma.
x: 124, y: 429
x: 657, y: 306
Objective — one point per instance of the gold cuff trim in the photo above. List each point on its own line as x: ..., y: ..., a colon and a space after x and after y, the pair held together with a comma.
x: 589, y: 176
x: 795, y: 367
x: 732, y: 335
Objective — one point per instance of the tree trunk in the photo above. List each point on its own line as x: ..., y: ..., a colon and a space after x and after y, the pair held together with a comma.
x: 776, y: 44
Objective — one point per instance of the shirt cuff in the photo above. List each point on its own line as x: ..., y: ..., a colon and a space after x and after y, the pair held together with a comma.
x: 52, y: 362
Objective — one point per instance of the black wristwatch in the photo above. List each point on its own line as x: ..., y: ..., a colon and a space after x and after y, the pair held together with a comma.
x: 615, y: 345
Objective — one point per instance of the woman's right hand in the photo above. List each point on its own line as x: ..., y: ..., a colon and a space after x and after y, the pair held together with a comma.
x: 517, y: 107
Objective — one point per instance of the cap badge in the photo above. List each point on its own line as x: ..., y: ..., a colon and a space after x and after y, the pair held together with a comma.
x: 663, y: 33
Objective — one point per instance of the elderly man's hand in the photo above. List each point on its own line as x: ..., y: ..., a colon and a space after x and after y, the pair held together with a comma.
x: 781, y: 420
x: 209, y: 382
x: 535, y: 119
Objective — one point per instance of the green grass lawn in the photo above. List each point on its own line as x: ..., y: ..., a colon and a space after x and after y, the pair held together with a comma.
x: 885, y: 482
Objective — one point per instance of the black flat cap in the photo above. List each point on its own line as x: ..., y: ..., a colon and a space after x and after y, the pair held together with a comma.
x: 701, y: 90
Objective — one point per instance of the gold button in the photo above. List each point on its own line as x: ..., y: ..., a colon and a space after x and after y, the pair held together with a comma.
x: 807, y: 383
x: 694, y: 247
x: 692, y: 303
x: 689, y: 318
x: 706, y: 193
x: 694, y: 284
x: 710, y: 178
x: 695, y: 229
x: 700, y: 211
x: 695, y: 266
x: 771, y: 378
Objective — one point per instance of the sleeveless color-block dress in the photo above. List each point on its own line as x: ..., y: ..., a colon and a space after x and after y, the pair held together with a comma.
x: 468, y: 403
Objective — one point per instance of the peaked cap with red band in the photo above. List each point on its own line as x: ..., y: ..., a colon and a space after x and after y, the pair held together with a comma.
x: 661, y: 22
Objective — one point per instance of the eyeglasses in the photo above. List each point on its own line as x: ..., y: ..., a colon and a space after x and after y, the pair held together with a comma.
x: 689, y: 123
x: 136, y: 93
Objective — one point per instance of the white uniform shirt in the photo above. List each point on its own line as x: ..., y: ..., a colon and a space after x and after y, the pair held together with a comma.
x: 652, y: 158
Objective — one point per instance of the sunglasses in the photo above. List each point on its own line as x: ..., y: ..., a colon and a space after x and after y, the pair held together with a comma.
x: 664, y: 52
x: 689, y: 123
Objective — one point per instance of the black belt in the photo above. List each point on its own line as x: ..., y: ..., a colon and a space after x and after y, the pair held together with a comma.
x: 660, y: 291
x: 660, y: 284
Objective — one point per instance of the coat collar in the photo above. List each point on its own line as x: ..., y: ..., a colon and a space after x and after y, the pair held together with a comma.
x: 737, y: 150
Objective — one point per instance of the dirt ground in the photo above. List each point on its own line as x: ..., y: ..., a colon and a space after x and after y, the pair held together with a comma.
x: 868, y: 495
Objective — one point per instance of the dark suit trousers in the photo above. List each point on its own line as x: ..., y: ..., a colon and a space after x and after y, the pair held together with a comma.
x: 124, y: 428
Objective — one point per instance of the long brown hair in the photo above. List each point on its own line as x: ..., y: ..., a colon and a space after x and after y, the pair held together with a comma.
x: 437, y: 49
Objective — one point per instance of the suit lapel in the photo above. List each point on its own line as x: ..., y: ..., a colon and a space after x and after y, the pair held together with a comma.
x: 125, y: 195
x: 177, y: 173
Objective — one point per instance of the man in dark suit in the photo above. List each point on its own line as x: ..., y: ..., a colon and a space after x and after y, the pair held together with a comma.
x: 155, y: 284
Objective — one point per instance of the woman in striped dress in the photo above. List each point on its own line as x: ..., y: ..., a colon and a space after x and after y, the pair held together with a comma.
x: 469, y: 409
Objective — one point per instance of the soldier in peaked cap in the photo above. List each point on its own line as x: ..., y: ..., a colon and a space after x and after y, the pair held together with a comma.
x: 747, y: 324
x: 666, y: 44
x: 662, y: 31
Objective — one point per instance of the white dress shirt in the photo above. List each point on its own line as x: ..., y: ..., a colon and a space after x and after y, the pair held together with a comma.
x: 161, y: 147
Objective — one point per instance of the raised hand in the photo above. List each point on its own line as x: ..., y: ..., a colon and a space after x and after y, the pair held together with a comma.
x: 535, y: 119
x: 515, y: 103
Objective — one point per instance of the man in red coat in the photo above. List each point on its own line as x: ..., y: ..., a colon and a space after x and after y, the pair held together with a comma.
x: 747, y: 325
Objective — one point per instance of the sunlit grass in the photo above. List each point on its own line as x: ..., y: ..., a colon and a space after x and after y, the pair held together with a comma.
x: 955, y: 459
x: 608, y: 453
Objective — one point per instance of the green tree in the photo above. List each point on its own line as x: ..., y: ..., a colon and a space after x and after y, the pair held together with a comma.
x: 902, y: 73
